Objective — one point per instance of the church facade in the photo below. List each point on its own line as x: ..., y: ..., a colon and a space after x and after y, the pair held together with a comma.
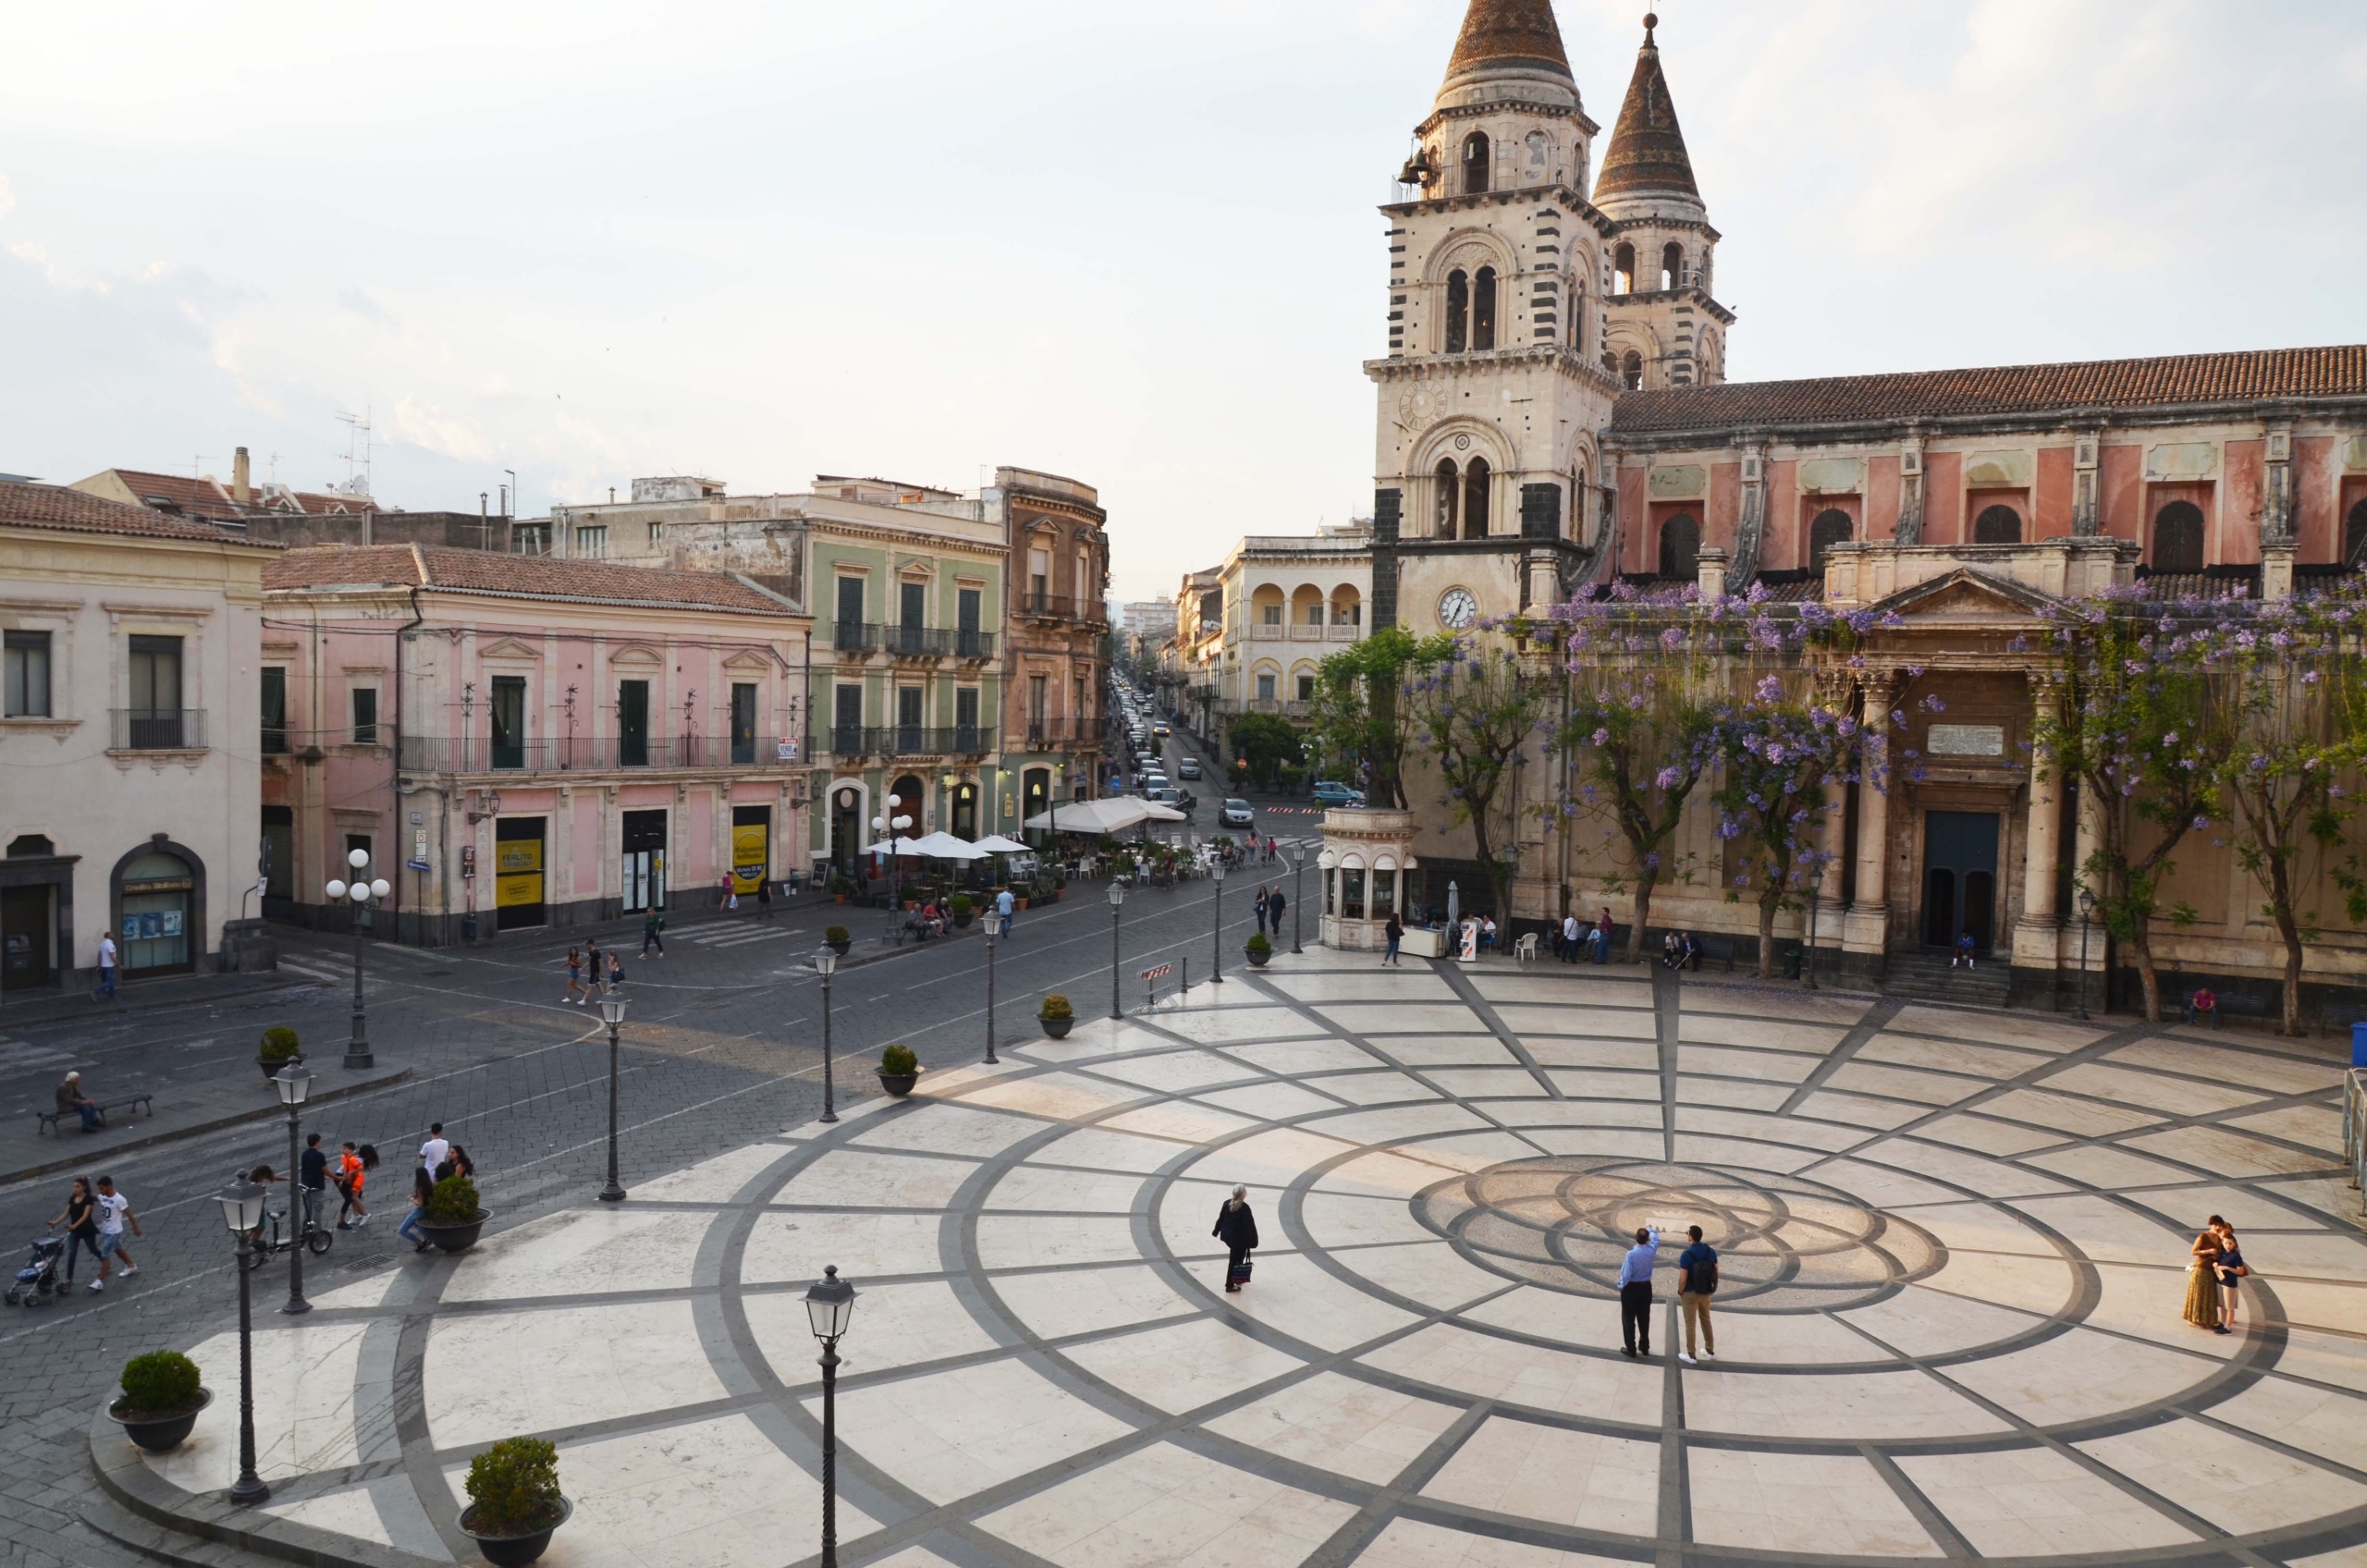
x: 1553, y: 415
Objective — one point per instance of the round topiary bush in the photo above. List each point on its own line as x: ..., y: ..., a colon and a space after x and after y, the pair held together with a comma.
x: 836, y: 935
x: 163, y: 1382
x: 279, y: 1043
x: 898, y: 1060
x: 513, y: 1488
x: 1257, y: 944
x: 454, y: 1201
x: 1056, y: 1006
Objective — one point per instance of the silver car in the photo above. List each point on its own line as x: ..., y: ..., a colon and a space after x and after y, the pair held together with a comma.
x: 1236, y: 813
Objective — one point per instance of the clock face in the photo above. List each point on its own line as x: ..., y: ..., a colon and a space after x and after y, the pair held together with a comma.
x: 1457, y: 608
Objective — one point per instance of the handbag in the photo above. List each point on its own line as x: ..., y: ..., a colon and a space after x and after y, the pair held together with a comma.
x: 1238, y: 1274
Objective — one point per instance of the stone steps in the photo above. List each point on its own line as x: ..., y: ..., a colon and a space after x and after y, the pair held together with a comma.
x: 1927, y: 977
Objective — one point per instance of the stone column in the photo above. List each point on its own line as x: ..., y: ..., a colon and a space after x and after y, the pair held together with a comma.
x: 1865, y: 932
x: 2037, y: 935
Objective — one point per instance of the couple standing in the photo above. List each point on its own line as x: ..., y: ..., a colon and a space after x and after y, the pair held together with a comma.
x: 1269, y: 904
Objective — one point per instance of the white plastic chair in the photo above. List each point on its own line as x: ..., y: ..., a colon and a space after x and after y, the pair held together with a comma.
x: 1524, y: 950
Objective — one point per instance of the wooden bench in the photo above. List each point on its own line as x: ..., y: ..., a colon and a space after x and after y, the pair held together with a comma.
x: 145, y: 1104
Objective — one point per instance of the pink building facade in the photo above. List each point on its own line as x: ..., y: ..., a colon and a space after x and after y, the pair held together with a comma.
x: 519, y: 741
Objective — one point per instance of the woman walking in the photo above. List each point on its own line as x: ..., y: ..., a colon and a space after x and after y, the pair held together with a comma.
x: 1393, y: 932
x: 80, y: 1218
x: 1237, y: 1229
x: 2202, y: 1283
x: 2232, y: 1271
x: 575, y: 991
x: 421, y: 1185
x: 1258, y: 903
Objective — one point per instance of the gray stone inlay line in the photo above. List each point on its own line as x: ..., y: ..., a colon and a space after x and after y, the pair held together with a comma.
x: 1910, y: 1496
x: 1876, y: 1019
x: 1460, y: 984
x: 1348, y: 1542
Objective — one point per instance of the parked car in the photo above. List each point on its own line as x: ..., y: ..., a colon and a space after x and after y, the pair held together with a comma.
x: 1330, y: 793
x: 1236, y: 813
x: 1187, y: 767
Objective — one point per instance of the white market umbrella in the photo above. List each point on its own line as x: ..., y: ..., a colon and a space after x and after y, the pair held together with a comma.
x: 900, y: 845
x: 996, y: 844
x: 1114, y: 814
x: 945, y: 846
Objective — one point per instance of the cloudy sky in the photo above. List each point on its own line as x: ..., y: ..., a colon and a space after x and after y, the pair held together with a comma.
x: 1134, y: 243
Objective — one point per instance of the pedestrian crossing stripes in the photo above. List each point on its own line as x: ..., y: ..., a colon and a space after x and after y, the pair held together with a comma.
x: 734, y: 936
x: 315, y: 971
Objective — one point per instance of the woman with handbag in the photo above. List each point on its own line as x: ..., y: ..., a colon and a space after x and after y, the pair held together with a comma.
x: 2232, y: 1271
x: 2202, y: 1283
x: 1237, y: 1229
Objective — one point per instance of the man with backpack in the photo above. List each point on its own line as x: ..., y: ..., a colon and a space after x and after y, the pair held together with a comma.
x: 1697, y: 1280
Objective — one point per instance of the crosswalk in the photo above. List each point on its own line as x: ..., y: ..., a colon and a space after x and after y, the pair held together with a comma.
x: 319, y: 969
x: 727, y: 934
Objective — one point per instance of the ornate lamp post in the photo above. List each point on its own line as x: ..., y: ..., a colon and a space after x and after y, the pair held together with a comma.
x: 1216, y: 901
x: 612, y: 1009
x: 1298, y: 865
x: 2086, y: 913
x: 242, y: 1213
x: 294, y: 1084
x: 829, y: 1306
x: 360, y: 890
x: 1116, y: 902
x: 826, y: 961
x: 993, y: 919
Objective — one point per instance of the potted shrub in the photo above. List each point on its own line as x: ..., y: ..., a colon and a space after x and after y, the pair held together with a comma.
x: 1057, y: 1017
x: 1259, y: 948
x: 963, y: 908
x: 278, y: 1048
x: 899, y: 1070
x: 161, y: 1401
x: 514, y: 1500
x: 837, y: 939
x: 454, y: 1215
x: 841, y: 888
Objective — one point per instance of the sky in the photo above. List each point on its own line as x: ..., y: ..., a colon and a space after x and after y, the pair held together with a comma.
x: 1136, y: 244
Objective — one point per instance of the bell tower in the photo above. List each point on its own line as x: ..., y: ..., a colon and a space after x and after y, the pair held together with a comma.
x: 1494, y: 389
x: 1666, y: 329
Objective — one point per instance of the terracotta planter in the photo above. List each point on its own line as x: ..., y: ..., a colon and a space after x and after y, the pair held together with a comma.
x: 1058, y: 1028
x: 899, y: 1084
x: 838, y: 898
x: 514, y: 1552
x: 160, y: 1434
x: 458, y: 1238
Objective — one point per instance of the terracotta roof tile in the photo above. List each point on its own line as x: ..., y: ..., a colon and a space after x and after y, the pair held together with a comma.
x: 208, y: 498
x: 53, y: 506
x: 1497, y: 32
x: 2340, y: 371
x: 1647, y: 152
x: 541, y: 577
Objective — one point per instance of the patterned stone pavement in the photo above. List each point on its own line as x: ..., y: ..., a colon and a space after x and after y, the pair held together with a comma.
x: 1954, y: 1248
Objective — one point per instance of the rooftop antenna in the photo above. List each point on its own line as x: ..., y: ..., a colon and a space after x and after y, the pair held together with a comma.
x: 356, y: 454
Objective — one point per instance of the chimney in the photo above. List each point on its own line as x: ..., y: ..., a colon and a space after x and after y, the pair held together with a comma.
x: 240, y: 490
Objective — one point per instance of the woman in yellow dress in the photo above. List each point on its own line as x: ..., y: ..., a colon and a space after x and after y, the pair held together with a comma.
x: 2203, y: 1284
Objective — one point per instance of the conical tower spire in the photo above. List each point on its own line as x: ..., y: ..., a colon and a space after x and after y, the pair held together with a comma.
x: 1646, y: 157
x: 1504, y: 42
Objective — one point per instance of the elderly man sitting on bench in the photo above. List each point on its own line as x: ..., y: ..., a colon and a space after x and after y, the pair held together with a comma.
x: 72, y: 1100
x: 2202, y: 1005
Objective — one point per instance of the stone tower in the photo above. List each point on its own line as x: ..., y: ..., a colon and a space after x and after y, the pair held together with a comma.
x: 1494, y: 387
x: 1664, y: 327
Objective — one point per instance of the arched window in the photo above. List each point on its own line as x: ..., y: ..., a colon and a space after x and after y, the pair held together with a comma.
x: 1672, y: 265
x: 1631, y: 372
x: 1448, y: 484
x: 2178, y: 537
x: 1577, y: 317
x: 1622, y: 270
x: 1483, y: 309
x: 1832, y: 527
x: 1680, y: 546
x: 1458, y: 310
x: 1475, y: 163
x: 1475, y: 499
x: 2354, y: 536
x: 1997, y: 525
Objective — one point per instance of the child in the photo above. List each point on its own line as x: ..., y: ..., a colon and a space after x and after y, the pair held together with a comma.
x: 1964, y: 951
x: 353, y: 1168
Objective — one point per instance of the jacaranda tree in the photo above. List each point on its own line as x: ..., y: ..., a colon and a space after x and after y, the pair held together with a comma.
x: 1472, y: 714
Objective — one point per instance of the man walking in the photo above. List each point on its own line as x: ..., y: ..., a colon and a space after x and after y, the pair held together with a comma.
x: 114, y: 1212
x: 1003, y: 905
x: 764, y: 898
x: 1697, y: 1278
x: 312, y: 1180
x: 1602, y: 943
x: 106, y: 968
x: 437, y: 1150
x: 1275, y: 904
x: 1635, y: 1295
x: 650, y: 927
x: 1395, y: 931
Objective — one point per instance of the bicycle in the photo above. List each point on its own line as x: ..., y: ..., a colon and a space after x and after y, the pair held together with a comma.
x: 317, y: 1240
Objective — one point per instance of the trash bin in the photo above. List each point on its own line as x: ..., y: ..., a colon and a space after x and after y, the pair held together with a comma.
x: 1791, y: 963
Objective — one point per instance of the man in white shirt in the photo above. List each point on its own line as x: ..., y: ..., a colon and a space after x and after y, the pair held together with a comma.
x: 1003, y: 905
x: 106, y: 968
x: 1635, y: 1293
x: 437, y: 1150
x: 113, y: 1210
x: 1570, y: 938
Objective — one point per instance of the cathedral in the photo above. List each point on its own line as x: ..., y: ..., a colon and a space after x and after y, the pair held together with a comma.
x: 1553, y: 416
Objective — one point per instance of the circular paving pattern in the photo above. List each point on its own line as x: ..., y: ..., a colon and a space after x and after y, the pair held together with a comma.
x: 1952, y: 1246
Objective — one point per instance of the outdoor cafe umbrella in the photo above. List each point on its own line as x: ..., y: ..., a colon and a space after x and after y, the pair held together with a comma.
x: 996, y: 844
x: 942, y: 845
x: 1112, y: 815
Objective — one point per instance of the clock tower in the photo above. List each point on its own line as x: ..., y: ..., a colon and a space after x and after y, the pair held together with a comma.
x: 1494, y: 387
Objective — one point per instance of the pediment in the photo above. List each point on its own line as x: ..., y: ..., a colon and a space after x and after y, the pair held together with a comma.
x: 1966, y: 594
x: 637, y: 654
x: 511, y: 648
x: 749, y: 660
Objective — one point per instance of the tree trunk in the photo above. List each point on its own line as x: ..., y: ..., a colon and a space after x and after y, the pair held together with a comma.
x: 1767, y: 902
x: 2281, y: 904
x: 1644, y: 880
x: 2141, y: 942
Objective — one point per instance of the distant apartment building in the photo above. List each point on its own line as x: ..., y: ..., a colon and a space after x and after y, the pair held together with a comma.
x: 1060, y: 573
x: 520, y: 743
x: 127, y: 737
x: 1289, y: 601
x: 1143, y: 625
x: 1193, y: 658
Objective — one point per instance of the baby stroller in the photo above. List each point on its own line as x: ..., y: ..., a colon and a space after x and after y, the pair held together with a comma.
x: 36, y: 1282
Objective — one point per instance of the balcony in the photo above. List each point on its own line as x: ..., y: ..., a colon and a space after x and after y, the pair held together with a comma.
x: 909, y: 740
x: 912, y: 642
x: 1061, y: 607
x: 1285, y: 707
x: 156, y: 729
x: 585, y: 754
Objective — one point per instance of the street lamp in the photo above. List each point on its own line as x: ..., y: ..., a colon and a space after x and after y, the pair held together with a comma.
x: 2086, y: 913
x: 1116, y: 902
x: 1216, y: 901
x: 1298, y: 865
x: 827, y: 960
x: 294, y: 1084
x: 612, y: 1008
x: 829, y: 1304
x: 243, y: 1212
x: 993, y: 919
x: 360, y: 890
